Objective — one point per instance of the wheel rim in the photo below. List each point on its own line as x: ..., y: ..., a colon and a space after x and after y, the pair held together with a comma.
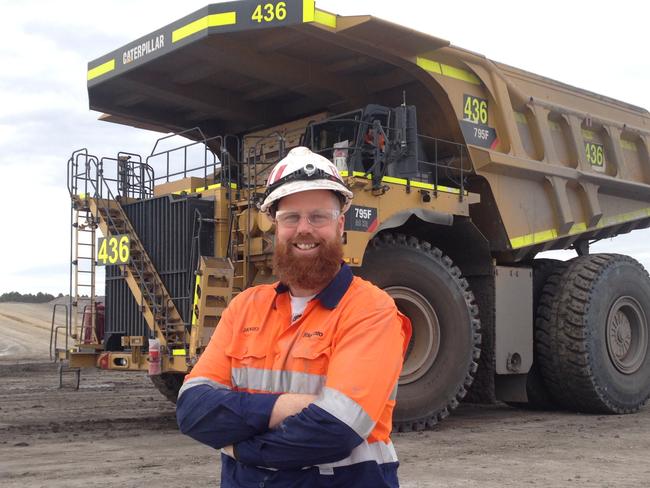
x: 627, y: 335
x: 425, y: 339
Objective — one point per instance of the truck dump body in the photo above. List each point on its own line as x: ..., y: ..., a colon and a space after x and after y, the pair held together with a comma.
x: 462, y: 170
x: 553, y: 164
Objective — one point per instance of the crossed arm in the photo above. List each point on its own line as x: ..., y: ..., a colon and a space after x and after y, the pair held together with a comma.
x: 277, y: 431
x: 285, y: 406
x: 291, y: 430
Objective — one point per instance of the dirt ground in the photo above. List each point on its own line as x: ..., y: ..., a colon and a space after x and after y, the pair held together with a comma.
x: 117, y: 430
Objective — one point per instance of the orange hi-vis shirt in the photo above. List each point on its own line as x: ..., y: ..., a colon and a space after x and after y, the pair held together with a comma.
x: 347, y: 348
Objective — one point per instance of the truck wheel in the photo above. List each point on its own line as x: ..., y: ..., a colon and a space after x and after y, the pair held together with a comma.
x: 168, y: 384
x: 593, y: 334
x: 441, y: 358
x: 538, y: 396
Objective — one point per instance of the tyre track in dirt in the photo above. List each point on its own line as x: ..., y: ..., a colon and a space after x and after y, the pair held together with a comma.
x: 117, y: 430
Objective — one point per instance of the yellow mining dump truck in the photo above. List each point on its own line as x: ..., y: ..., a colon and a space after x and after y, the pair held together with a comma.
x: 463, y: 170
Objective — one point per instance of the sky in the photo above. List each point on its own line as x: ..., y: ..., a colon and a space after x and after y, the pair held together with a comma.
x: 44, y: 115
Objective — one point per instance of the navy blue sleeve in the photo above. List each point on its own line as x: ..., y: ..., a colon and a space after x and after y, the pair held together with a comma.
x: 219, y: 417
x: 311, y: 437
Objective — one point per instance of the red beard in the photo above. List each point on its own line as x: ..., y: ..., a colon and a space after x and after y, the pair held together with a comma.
x: 307, y: 273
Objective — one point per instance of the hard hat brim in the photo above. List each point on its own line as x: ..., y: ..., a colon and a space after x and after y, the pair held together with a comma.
x: 300, y: 186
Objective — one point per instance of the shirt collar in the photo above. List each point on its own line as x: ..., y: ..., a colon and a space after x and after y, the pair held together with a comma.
x: 331, y: 295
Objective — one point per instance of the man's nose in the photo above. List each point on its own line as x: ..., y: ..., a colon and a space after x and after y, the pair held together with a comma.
x: 303, y: 225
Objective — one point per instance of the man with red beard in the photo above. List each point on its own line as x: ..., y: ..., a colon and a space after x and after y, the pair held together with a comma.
x: 298, y: 383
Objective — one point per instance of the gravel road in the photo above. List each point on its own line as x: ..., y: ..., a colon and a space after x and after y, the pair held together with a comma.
x: 117, y: 430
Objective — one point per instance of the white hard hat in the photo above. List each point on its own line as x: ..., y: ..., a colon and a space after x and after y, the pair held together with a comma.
x: 303, y: 170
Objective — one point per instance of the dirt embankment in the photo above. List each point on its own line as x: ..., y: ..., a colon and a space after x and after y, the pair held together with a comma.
x: 117, y: 430
x: 25, y: 331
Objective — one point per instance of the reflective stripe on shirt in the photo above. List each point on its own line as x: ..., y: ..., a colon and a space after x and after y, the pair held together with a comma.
x: 379, y: 452
x: 346, y: 410
x: 277, y: 381
x: 199, y: 380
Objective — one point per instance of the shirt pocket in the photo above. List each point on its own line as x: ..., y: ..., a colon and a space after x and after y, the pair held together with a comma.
x: 247, y: 360
x: 312, y: 355
x: 247, y: 352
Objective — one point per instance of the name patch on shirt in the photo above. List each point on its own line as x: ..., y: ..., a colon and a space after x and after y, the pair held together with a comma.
x: 316, y: 333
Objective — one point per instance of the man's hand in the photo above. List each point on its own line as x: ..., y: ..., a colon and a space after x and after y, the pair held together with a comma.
x: 287, y: 405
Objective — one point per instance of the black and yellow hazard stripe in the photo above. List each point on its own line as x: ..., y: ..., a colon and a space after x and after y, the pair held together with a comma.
x: 220, y: 17
x: 405, y: 182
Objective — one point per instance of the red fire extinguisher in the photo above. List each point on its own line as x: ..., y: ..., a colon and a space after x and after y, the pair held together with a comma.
x: 154, y: 357
x: 87, y: 334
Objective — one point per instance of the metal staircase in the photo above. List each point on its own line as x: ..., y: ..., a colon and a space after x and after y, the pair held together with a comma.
x: 97, y: 203
x: 104, y: 190
x: 148, y: 289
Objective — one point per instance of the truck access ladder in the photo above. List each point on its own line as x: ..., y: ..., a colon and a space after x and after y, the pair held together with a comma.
x: 84, y: 290
x: 261, y: 153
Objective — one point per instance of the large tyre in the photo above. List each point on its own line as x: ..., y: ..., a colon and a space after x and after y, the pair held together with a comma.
x: 168, y: 384
x: 441, y: 358
x: 593, y: 335
x: 538, y: 396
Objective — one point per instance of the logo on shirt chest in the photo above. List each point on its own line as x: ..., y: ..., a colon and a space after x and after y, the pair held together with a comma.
x: 250, y: 330
x: 316, y: 333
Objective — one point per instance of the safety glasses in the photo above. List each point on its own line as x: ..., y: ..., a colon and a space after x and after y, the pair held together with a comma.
x: 315, y: 218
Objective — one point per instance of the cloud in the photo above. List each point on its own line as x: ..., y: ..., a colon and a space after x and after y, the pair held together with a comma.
x: 44, y: 112
x: 82, y: 39
x: 634, y: 244
x: 48, y: 269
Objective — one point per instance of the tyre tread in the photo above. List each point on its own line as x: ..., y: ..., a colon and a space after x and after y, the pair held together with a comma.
x: 562, y: 333
x: 168, y: 384
x: 393, y: 240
